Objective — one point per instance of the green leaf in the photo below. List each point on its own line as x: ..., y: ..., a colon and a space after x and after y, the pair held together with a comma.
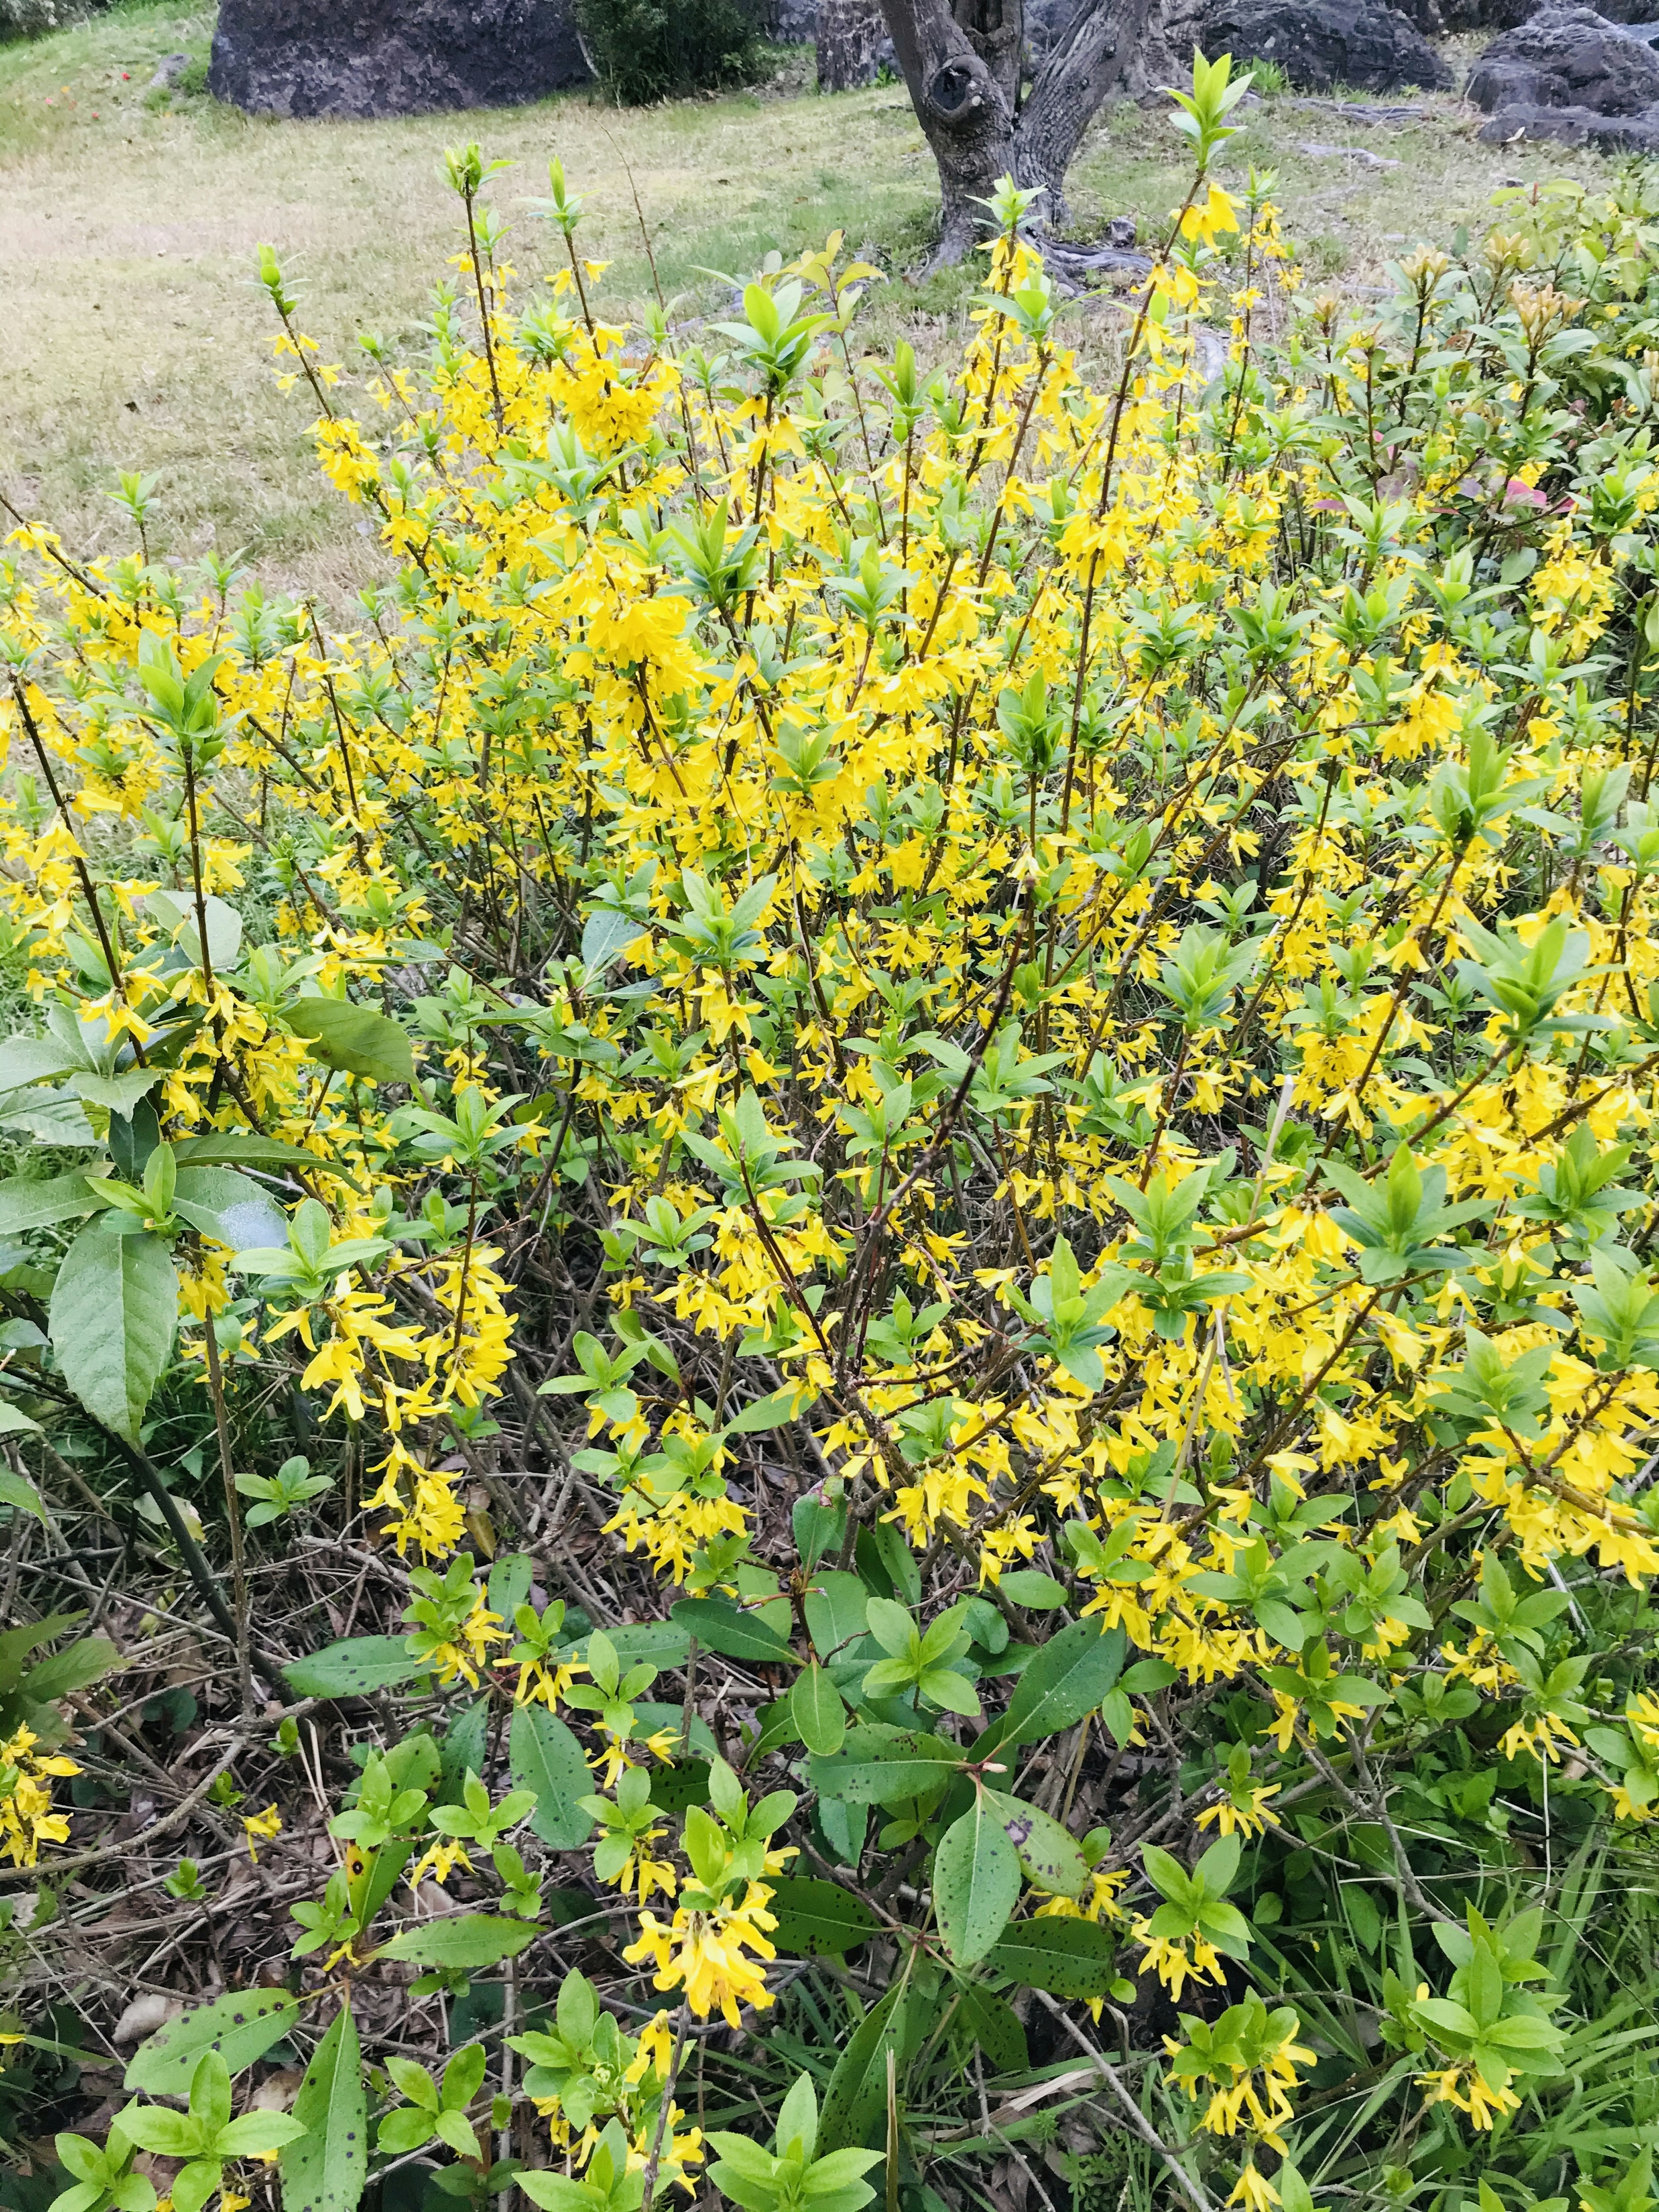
x: 882, y: 1765
x: 17, y: 1643
x: 545, y: 1758
x: 1046, y: 1850
x: 510, y: 1577
x: 353, y: 1039
x: 52, y: 1117
x: 119, y: 1093
x: 25, y: 1204
x: 844, y: 1827
x: 33, y: 1060
x: 464, y: 1941
x: 1450, y: 2017
x: 230, y: 1207
x: 836, y: 1615
x: 721, y: 1627
x: 1069, y: 1958
x: 1038, y: 1592
x: 817, y: 1919
x: 232, y: 1149
x: 176, y: 911
x: 21, y: 1495
x: 815, y: 1705
x: 325, y: 2171
x: 773, y: 1413
x: 855, y: 2101
x: 975, y: 1881
x: 352, y: 1668
x: 555, y: 2192
x: 113, y: 1308
x: 72, y: 1668
x: 240, y: 2026
x: 604, y: 933
x: 997, y: 2030
x: 639, y: 1644
x: 1068, y: 1678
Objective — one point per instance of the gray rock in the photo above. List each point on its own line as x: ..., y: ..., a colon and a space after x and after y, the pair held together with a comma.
x: 1321, y: 43
x: 1579, y: 60
x: 1423, y: 15
x: 1505, y: 15
x: 1574, y: 126
x: 168, y: 70
x: 1496, y: 85
x: 365, y: 57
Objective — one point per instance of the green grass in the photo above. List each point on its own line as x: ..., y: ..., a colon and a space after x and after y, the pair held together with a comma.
x: 129, y: 219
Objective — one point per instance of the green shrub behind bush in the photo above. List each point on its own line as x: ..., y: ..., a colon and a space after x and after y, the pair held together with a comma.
x: 644, y: 50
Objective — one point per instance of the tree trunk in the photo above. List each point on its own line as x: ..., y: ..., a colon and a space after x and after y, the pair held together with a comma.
x: 1085, y: 64
x: 849, y: 33
x: 964, y: 71
x: 961, y: 106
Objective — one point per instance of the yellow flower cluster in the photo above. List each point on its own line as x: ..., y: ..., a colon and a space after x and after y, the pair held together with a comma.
x: 27, y: 1819
x: 715, y: 1956
x: 1087, y: 955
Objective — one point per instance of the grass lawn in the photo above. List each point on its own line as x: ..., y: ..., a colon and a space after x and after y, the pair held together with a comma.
x: 129, y: 219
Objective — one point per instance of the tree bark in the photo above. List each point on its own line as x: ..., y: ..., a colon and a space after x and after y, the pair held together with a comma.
x: 963, y: 66
x: 1085, y: 63
x: 849, y: 32
x: 960, y: 107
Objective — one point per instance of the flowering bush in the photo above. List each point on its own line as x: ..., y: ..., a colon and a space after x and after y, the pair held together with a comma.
x: 974, y: 1057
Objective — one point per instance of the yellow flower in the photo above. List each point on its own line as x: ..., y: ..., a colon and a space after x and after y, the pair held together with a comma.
x: 1248, y: 1819
x: 1461, y: 2086
x: 27, y: 1819
x: 709, y: 1954
x: 259, y: 1827
x: 1254, y: 2190
x: 439, y: 1860
x: 1175, y: 1966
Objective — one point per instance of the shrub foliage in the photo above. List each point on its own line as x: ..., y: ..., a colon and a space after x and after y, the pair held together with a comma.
x: 862, y: 1213
x: 645, y: 50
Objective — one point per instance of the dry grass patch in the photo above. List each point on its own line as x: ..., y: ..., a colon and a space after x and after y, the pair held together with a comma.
x: 129, y: 219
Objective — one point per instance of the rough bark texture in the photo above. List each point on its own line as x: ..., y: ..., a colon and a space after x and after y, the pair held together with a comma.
x: 851, y: 33
x: 961, y: 67
x: 368, y: 57
x: 1091, y: 57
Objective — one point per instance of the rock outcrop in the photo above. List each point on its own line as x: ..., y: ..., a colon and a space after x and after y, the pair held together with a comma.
x: 366, y: 58
x: 1574, y: 126
x: 1567, y: 57
x: 1570, y: 74
x: 1322, y: 43
x: 1506, y: 15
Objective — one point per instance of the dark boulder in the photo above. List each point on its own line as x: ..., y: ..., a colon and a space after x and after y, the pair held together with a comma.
x: 1505, y: 15
x: 1574, y: 126
x: 1423, y: 15
x: 852, y: 44
x: 1322, y: 43
x: 1574, y: 59
x: 365, y: 57
x: 1495, y: 85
